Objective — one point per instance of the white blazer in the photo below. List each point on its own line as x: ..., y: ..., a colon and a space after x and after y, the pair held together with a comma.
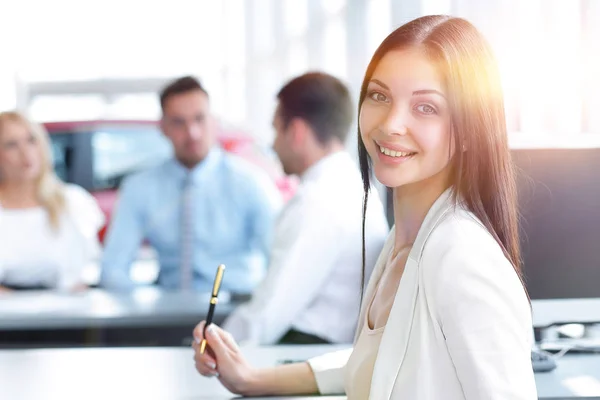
x: 460, y: 325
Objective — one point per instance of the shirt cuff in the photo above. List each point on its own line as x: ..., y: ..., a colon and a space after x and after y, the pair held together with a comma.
x: 329, y: 371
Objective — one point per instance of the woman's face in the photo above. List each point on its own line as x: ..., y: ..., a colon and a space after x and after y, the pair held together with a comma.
x: 20, y: 153
x: 405, y: 120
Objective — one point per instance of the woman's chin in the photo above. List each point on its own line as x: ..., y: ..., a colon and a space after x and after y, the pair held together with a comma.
x: 387, y: 176
x: 28, y: 176
x: 390, y: 180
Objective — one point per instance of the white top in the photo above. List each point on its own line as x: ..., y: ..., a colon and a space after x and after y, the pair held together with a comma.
x: 313, y: 280
x: 33, y: 253
x: 460, y: 325
x: 359, y: 369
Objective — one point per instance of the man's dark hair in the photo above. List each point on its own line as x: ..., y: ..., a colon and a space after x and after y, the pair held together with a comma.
x: 179, y: 86
x: 321, y: 100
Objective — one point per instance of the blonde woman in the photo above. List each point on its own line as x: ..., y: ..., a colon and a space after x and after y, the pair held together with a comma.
x: 48, y: 229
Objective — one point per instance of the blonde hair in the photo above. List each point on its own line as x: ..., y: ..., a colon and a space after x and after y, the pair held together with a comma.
x: 50, y: 189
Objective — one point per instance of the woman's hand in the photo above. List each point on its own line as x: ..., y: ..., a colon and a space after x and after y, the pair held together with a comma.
x: 79, y: 288
x: 222, y: 358
x: 4, y: 290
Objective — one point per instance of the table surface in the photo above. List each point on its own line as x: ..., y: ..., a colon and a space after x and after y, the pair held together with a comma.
x: 564, y: 311
x: 95, y: 308
x: 168, y: 373
x: 151, y: 306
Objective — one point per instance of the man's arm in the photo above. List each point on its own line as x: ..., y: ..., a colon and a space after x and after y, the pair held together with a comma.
x: 125, y: 235
x: 302, y: 258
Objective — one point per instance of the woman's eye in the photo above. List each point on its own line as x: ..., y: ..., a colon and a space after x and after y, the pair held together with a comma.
x: 426, y: 109
x: 378, y: 97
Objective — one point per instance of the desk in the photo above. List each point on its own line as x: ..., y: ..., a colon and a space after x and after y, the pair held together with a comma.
x: 151, y: 307
x: 169, y: 374
x: 146, y: 316
x: 122, y: 373
x: 99, y: 309
x: 565, y: 311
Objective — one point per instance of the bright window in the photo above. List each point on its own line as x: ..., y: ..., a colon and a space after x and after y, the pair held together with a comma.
x: 67, y: 108
x: 333, y: 6
x: 262, y: 26
x: 335, y: 60
x: 295, y: 14
x: 379, y: 23
x: 297, y: 58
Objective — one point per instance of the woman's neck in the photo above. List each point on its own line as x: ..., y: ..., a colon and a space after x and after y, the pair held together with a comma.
x: 411, y: 204
x: 18, y: 195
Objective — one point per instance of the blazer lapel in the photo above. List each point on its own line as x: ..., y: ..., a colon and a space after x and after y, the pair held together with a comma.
x: 394, y: 341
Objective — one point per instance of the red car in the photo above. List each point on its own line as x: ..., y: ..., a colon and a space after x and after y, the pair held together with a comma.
x: 97, y: 155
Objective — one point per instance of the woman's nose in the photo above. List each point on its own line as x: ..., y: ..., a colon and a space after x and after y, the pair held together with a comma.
x: 395, y: 123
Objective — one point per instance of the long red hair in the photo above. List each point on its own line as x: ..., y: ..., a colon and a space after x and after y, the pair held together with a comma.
x: 483, y: 176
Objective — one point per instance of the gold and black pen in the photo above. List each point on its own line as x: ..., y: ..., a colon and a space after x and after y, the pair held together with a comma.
x: 214, y: 299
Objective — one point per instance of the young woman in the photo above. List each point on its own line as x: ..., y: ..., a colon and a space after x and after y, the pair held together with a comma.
x: 445, y: 314
x: 48, y: 230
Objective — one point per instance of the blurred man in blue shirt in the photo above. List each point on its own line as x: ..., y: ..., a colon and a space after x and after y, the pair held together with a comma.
x: 198, y: 210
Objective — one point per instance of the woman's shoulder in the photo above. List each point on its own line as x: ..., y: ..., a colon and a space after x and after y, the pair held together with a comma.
x: 82, y: 206
x: 461, y: 248
x: 460, y: 242
x: 77, y: 195
x: 465, y: 275
x: 459, y: 228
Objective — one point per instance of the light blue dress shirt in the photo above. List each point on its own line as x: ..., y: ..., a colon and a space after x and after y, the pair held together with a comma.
x: 235, y: 206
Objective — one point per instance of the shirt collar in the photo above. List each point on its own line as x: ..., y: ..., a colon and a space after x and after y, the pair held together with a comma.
x: 204, y: 167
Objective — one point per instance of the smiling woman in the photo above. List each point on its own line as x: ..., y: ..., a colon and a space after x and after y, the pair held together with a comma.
x: 445, y: 314
x: 406, y: 94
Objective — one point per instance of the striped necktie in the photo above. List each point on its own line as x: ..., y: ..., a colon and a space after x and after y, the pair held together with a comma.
x: 187, y: 235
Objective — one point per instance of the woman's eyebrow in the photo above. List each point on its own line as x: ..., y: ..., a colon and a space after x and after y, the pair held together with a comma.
x: 415, y: 93
x: 428, y: 91
x: 378, y: 82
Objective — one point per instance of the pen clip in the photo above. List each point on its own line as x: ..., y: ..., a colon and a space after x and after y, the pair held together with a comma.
x: 218, y: 280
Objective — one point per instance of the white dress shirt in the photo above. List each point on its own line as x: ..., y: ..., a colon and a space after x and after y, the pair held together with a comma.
x: 313, y: 281
x: 33, y: 253
x: 460, y: 325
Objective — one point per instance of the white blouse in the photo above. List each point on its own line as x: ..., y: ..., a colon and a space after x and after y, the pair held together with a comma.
x: 359, y: 369
x: 32, y: 253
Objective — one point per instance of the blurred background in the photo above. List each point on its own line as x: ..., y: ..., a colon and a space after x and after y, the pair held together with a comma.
x: 90, y: 72
x: 78, y: 63
x: 67, y: 60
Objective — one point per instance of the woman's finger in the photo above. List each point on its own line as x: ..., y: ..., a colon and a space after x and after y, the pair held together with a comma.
x: 205, y: 363
x: 226, y: 337
x: 229, y: 340
x: 207, y: 357
x: 215, y: 338
x: 198, y: 332
x: 205, y: 370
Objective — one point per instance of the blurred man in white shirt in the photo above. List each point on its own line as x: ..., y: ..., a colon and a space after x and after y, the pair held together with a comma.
x: 312, y: 289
